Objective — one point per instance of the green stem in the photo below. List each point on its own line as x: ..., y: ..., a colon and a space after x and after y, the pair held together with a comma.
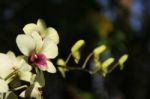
x: 86, y: 60
x: 68, y: 58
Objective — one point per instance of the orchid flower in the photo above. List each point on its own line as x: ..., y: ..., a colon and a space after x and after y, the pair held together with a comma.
x: 35, y: 93
x: 15, y: 66
x: 21, y: 66
x: 38, y: 51
x: 42, y: 30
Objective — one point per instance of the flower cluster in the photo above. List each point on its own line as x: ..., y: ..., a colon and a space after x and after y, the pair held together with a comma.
x: 38, y: 45
x: 22, y: 76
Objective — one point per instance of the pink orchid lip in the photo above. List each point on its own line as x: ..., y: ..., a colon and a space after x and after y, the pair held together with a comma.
x: 37, y: 59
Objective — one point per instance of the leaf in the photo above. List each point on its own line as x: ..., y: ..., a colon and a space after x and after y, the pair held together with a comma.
x: 12, y: 96
x: 40, y: 77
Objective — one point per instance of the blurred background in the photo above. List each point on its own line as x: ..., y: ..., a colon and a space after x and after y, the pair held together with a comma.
x: 123, y: 25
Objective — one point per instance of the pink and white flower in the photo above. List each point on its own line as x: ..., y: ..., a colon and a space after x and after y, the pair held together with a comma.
x: 38, y: 50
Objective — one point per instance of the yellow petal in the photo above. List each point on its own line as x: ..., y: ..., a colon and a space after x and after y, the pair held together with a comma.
x: 29, y: 28
x: 50, y: 67
x: 77, y: 46
x: 25, y: 43
x: 76, y: 56
x: 62, y: 70
x: 50, y: 49
x: 122, y: 60
x: 3, y: 86
x: 60, y: 62
x: 75, y: 50
x: 97, y: 51
x: 52, y: 34
x: 106, y: 64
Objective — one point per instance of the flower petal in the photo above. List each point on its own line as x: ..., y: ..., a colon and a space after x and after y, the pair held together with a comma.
x: 50, y: 49
x: 42, y: 27
x: 52, y: 34
x: 38, y: 41
x: 5, y: 63
x: 3, y: 86
x: 24, y: 66
x: 11, y: 56
x: 25, y: 76
x: 25, y: 43
x: 50, y: 67
x: 29, y: 28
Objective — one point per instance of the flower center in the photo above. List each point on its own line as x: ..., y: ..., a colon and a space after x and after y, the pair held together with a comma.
x: 37, y: 59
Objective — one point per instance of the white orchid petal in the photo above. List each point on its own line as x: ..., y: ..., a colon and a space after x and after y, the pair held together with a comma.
x: 50, y: 49
x: 52, y: 34
x: 25, y: 43
x: 41, y: 26
x: 3, y: 86
x: 38, y: 41
x: 11, y: 55
x: 50, y: 67
x: 22, y: 95
x: 29, y: 28
x: 24, y: 66
x: 25, y: 76
x: 5, y: 64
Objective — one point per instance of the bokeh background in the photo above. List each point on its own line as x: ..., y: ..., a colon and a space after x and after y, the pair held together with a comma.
x: 123, y: 25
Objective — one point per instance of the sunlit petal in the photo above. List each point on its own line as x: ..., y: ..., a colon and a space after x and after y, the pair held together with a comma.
x: 50, y: 49
x: 29, y: 28
x: 52, y: 34
x: 25, y: 43
x: 25, y: 76
x: 38, y: 41
x: 41, y: 26
x: 3, y: 86
x: 5, y: 63
x: 50, y: 67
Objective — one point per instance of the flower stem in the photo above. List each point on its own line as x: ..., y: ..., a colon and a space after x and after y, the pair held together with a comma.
x: 113, y: 67
x: 76, y: 68
x: 86, y: 60
x: 21, y: 87
x: 68, y: 58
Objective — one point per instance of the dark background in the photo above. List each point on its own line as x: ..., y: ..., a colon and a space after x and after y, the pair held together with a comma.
x: 123, y: 25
